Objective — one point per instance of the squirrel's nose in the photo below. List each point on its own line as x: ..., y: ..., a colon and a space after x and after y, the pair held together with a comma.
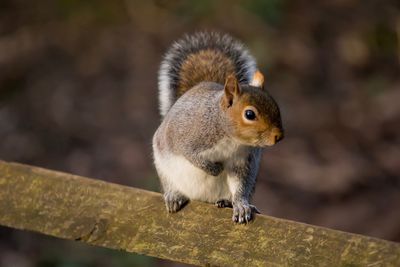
x: 277, y: 136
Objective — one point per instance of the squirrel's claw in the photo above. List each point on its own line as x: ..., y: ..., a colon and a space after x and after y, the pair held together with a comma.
x: 243, y: 213
x: 254, y: 209
x: 223, y: 203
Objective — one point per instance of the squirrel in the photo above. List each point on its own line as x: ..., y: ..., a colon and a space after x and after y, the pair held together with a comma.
x: 217, y: 118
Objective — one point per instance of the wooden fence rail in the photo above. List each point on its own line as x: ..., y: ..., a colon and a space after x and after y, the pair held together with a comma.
x: 119, y: 217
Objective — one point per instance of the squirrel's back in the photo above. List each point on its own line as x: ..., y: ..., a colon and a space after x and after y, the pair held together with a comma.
x: 201, y: 57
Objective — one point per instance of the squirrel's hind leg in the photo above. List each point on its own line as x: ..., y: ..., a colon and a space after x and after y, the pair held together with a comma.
x: 174, y: 201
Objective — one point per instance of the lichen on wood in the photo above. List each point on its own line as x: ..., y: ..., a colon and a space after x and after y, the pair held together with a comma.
x: 124, y: 218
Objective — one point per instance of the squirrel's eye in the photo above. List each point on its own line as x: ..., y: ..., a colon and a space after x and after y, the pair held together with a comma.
x: 250, y: 115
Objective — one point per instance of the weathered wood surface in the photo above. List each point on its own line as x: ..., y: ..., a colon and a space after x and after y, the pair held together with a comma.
x: 124, y: 218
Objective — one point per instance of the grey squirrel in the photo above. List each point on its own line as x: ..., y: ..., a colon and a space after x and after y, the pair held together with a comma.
x: 217, y: 117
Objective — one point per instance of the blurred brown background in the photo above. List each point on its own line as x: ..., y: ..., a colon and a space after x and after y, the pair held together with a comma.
x: 78, y: 86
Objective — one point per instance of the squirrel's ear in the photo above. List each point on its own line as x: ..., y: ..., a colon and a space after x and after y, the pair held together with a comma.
x: 257, y: 80
x: 231, y: 89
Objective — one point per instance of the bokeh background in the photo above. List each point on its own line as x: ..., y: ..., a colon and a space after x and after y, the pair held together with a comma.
x: 78, y: 86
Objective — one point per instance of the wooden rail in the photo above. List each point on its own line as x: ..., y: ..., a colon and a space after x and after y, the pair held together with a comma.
x: 134, y: 220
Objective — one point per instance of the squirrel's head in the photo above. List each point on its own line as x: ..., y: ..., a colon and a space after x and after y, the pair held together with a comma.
x: 254, y: 115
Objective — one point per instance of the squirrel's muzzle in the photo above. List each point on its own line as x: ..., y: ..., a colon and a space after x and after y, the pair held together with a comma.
x: 275, y: 136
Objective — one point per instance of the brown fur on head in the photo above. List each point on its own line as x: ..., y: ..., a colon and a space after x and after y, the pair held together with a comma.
x: 254, y: 115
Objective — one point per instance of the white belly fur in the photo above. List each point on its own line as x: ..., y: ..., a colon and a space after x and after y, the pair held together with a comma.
x: 191, y: 181
x: 196, y: 184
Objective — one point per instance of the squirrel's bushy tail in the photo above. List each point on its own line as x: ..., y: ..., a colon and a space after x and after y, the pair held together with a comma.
x: 203, y: 56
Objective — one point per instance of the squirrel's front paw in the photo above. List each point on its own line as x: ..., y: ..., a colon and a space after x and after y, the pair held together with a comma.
x: 243, y: 212
x: 215, y: 168
x: 174, y: 201
x: 223, y: 203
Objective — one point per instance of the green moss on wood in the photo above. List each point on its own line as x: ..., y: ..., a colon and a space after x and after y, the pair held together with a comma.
x: 134, y: 220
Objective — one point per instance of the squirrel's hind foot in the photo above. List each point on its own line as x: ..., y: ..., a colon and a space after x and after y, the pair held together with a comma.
x: 174, y: 201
